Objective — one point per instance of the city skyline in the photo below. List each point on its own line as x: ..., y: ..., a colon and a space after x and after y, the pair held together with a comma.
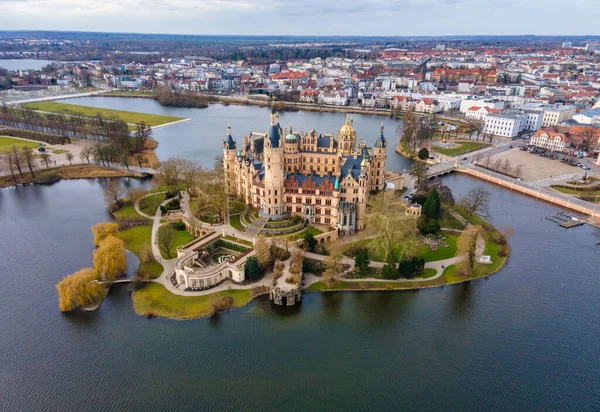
x: 277, y: 17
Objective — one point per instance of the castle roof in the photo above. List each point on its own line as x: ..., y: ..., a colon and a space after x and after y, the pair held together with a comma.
x: 229, y: 141
x: 381, y: 142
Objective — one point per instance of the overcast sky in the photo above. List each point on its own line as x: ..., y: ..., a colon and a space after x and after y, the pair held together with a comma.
x: 307, y: 17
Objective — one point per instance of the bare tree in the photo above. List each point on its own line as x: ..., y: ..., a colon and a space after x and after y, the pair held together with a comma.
x: 27, y: 155
x: 518, y: 170
x: 140, y: 159
x: 125, y: 160
x: 506, y: 166
x: 70, y: 156
x: 418, y: 172
x: 113, y: 192
x: 45, y: 157
x: 85, y: 154
x: 589, y: 136
x: 17, y: 158
x: 11, y: 165
x: 476, y: 203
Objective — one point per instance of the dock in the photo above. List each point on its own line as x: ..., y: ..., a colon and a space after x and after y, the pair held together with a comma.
x: 571, y: 223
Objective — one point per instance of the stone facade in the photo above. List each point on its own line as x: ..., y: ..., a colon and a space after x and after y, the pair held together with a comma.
x: 326, y: 179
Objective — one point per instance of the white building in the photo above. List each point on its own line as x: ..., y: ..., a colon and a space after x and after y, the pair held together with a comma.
x: 549, y: 140
x: 506, y: 124
x: 492, y: 104
x: 335, y: 99
x: 534, y: 120
x: 588, y: 117
x: 479, y: 113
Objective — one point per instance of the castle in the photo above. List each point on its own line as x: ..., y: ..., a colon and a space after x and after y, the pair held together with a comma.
x: 323, y: 178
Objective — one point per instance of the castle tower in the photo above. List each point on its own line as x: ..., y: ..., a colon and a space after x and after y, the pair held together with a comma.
x: 273, y: 201
x: 346, y: 138
x: 229, y: 164
x: 378, y: 162
x: 363, y: 191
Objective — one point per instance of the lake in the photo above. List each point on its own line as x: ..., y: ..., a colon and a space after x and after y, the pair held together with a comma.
x: 524, y: 339
x: 24, y: 64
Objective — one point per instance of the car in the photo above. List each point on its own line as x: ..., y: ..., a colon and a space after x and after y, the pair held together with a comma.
x: 519, y: 179
x: 586, y: 168
x: 464, y: 158
x: 511, y: 146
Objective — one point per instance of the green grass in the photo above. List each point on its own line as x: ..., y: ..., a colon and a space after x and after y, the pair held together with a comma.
x: 8, y: 142
x: 59, y: 151
x: 150, y: 204
x: 450, y: 222
x: 180, y: 238
x: 465, y: 147
x: 450, y: 275
x: 137, y: 240
x: 127, y: 117
x: 442, y: 253
x: 311, y: 229
x: 235, y: 222
x: 236, y: 207
x: 128, y: 212
x: 377, y: 254
x: 155, y: 299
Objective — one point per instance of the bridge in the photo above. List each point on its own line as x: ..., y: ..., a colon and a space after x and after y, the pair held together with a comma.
x: 537, y: 192
x: 116, y: 281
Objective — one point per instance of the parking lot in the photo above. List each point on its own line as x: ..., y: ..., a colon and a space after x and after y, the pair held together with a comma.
x: 536, y: 167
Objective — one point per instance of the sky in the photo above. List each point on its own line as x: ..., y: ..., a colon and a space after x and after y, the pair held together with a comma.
x: 307, y: 17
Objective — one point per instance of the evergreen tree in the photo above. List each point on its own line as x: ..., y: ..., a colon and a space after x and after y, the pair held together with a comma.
x: 432, y: 205
x: 389, y: 270
x: 423, y: 153
x: 310, y: 243
x: 361, y: 261
x: 252, y: 268
x: 405, y: 269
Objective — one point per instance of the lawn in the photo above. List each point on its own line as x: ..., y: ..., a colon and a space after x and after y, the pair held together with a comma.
x: 235, y: 222
x: 180, y: 238
x: 156, y: 300
x: 59, y: 151
x: 127, y: 117
x: 137, y: 240
x: 150, y: 204
x: 310, y: 229
x: 128, y: 212
x: 8, y: 142
x: 377, y: 254
x: 465, y: 147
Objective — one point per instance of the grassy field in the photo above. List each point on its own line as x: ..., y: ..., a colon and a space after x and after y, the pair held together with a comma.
x: 156, y: 300
x: 235, y: 222
x: 59, y: 151
x: 128, y: 212
x: 181, y: 237
x: 150, y: 204
x: 8, y: 142
x: 377, y: 254
x: 137, y: 240
x: 465, y: 147
x: 128, y: 117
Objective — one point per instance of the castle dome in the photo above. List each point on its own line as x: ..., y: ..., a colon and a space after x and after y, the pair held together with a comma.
x: 347, y: 129
x: 291, y: 138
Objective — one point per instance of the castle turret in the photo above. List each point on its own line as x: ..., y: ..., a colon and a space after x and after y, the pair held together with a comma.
x: 229, y: 157
x: 378, y: 162
x: 273, y: 203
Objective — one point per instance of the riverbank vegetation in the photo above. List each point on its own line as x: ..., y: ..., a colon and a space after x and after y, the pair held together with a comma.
x: 55, y: 174
x: 84, y: 288
x: 155, y: 300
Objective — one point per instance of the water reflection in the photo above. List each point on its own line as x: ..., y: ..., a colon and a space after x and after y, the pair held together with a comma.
x: 462, y: 301
x: 332, y: 303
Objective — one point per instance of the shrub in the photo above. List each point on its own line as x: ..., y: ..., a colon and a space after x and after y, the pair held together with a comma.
x: 389, y: 271
x: 278, y: 270
x: 296, y: 263
x: 174, y: 204
x: 428, y: 225
x: 293, y: 279
x: 224, y: 303
x: 309, y: 242
x: 313, y: 266
x: 278, y: 253
x: 423, y: 153
x: 163, y: 210
x: 178, y: 225
x: 171, y: 194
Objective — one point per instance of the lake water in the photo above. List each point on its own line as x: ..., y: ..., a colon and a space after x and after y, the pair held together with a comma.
x: 24, y: 64
x: 526, y: 338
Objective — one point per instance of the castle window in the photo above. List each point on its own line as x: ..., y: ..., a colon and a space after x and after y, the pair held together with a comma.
x: 317, y: 220
x: 318, y: 201
x: 299, y: 209
x: 288, y: 199
x: 318, y: 210
x: 308, y: 201
x: 298, y: 200
x: 327, y: 220
x: 289, y: 209
x: 327, y: 211
x: 328, y: 202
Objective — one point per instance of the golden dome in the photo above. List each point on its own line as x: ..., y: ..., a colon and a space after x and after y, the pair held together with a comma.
x: 347, y: 128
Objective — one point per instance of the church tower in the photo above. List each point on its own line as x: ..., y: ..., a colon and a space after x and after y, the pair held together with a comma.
x: 273, y: 199
x: 229, y: 164
x: 378, y: 162
x: 346, y: 138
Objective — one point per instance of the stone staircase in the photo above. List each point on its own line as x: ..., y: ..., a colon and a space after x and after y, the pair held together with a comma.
x: 256, y: 226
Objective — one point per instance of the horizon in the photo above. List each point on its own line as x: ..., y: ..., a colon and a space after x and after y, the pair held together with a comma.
x: 408, y: 18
